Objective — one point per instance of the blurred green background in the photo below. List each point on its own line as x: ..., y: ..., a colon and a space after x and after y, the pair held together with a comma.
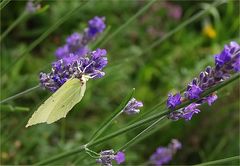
x: 213, y: 134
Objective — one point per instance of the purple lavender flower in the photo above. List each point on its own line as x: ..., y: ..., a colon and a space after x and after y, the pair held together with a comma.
x: 227, y: 54
x: 62, y: 52
x: 223, y: 57
x: 164, y: 154
x: 74, y: 40
x: 76, y: 43
x: 236, y: 64
x: 74, y: 66
x: 185, y: 113
x: 161, y: 156
x: 173, y: 100
x: 193, y: 92
x: 211, y: 99
x: 226, y: 63
x: 173, y: 11
x: 96, y: 25
x: 32, y: 7
x: 120, y: 157
x: 175, y: 115
x: 107, y: 156
x: 175, y: 145
x: 189, y: 111
x: 132, y: 107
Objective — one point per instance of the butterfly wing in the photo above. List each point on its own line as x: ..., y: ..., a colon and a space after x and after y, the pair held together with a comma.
x: 60, y: 103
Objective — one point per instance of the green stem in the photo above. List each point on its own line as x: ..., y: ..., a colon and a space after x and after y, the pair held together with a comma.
x: 217, y: 162
x: 89, y: 150
x: 4, y: 3
x: 79, y: 159
x: 61, y: 155
x: 137, y: 124
x: 165, y: 123
x: 115, y: 114
x: 10, y: 108
x: 130, y: 127
x: 48, y: 32
x: 20, y: 94
x: 141, y: 11
x: 95, y: 157
x: 23, y: 16
x: 124, y: 147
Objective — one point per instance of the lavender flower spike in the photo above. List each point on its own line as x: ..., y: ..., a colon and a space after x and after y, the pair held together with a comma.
x: 132, y: 107
x: 226, y: 63
x: 74, y: 66
x: 107, y: 156
x: 163, y: 155
x: 77, y: 43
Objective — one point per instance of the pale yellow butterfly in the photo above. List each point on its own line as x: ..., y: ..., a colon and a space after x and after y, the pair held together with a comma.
x: 60, y: 103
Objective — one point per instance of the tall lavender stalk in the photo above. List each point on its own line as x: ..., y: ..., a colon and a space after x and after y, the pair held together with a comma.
x: 227, y: 62
x: 74, y: 59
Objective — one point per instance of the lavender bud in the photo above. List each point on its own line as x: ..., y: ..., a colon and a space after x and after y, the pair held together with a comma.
x: 201, y: 75
x: 119, y: 157
x: 208, y: 69
x: 132, y: 107
x: 163, y: 155
x: 194, y: 82
x: 32, y: 7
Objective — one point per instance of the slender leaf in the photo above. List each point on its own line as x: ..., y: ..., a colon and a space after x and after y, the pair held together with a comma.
x: 10, y: 108
x: 124, y: 147
x: 115, y: 114
x: 48, y: 32
x: 20, y: 94
x: 221, y: 161
x: 4, y: 3
x: 22, y: 17
x: 130, y: 20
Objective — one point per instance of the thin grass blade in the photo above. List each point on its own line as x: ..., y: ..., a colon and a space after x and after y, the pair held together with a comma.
x: 22, y: 17
x: 10, y: 108
x: 130, y: 20
x: 184, y: 24
x: 20, y: 94
x: 115, y: 114
x: 4, y: 3
x: 221, y: 161
x: 124, y: 147
x: 47, y: 33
